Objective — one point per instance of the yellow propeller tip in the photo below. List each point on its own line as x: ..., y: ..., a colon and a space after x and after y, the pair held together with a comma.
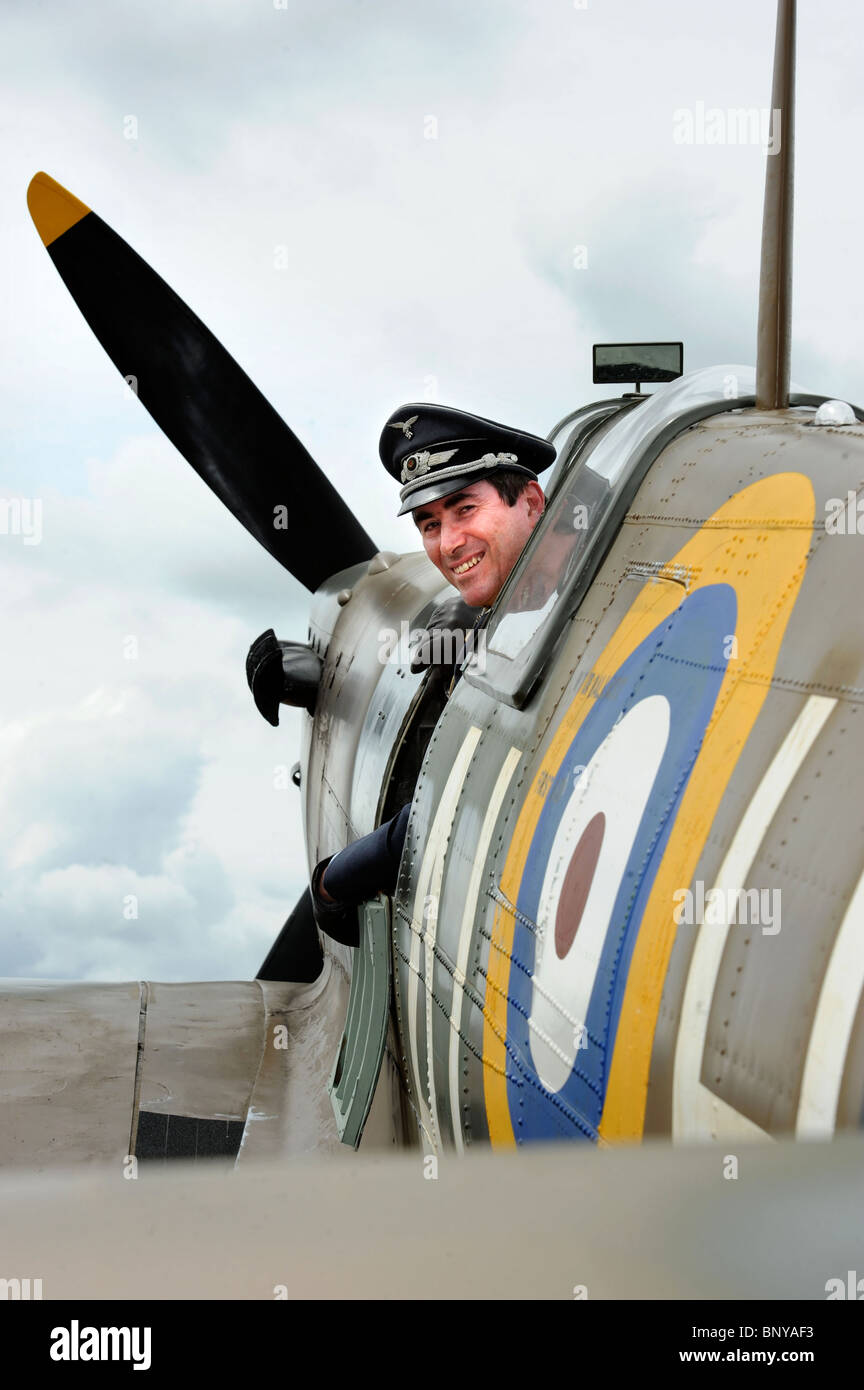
x: 53, y: 208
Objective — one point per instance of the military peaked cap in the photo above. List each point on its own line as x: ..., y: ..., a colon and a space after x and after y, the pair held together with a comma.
x: 434, y: 451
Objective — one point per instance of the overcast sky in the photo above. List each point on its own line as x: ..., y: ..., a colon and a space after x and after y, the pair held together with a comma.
x: 369, y: 203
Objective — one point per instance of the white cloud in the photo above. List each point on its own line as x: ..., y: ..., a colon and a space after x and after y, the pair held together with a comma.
x: 133, y: 759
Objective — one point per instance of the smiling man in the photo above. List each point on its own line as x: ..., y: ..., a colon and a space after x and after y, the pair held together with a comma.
x: 475, y: 536
x: 471, y: 485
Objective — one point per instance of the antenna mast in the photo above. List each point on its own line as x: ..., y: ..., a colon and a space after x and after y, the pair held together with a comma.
x: 775, y: 276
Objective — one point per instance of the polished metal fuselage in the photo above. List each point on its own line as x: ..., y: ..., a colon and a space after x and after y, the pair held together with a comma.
x: 718, y: 1030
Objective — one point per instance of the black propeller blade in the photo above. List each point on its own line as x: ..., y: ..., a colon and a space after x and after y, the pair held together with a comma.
x: 197, y: 394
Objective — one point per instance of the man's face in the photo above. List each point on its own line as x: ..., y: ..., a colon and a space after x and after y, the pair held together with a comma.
x: 474, y: 537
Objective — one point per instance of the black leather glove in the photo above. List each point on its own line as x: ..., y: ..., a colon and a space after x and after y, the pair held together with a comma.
x: 339, y: 920
x: 357, y: 873
x: 447, y: 631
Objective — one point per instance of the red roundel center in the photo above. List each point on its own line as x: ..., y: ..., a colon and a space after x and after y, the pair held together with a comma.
x: 577, y: 884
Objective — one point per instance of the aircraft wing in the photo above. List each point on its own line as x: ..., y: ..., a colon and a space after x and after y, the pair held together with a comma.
x: 94, y: 1074
x: 562, y: 1222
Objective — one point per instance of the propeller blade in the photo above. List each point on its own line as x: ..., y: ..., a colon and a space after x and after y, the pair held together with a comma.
x: 197, y: 394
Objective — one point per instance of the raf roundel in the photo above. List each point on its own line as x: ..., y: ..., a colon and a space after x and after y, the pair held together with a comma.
x: 636, y: 746
x: 621, y: 806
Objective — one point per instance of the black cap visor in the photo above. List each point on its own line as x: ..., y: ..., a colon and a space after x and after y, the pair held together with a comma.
x: 445, y: 487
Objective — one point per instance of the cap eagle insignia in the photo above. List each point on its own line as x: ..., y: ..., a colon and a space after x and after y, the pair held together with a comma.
x: 405, y: 426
